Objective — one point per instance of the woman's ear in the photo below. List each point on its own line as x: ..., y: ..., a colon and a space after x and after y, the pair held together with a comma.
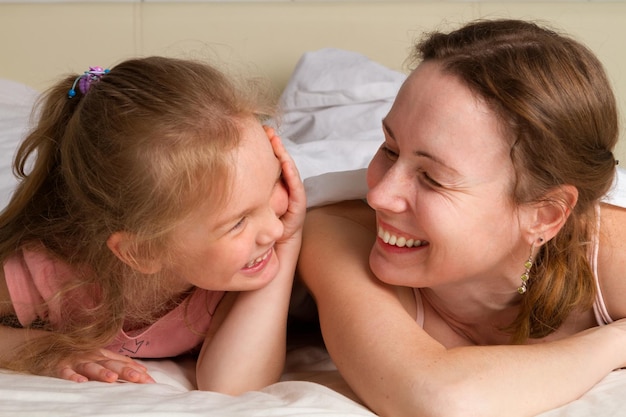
x: 547, y: 217
x: 123, y: 247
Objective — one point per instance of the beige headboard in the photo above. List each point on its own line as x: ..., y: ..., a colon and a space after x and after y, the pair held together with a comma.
x: 40, y: 41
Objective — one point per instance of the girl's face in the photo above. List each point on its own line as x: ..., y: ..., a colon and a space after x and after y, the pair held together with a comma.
x: 441, y: 186
x: 231, y: 248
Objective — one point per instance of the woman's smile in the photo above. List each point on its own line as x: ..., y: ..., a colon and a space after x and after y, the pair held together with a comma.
x: 399, y: 241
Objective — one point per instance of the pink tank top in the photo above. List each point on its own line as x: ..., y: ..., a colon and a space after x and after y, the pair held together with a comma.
x: 33, y: 278
x: 599, y: 306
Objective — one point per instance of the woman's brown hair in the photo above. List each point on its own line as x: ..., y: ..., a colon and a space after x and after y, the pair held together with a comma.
x: 553, y: 97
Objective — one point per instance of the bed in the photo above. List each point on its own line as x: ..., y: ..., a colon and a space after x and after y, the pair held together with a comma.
x: 326, y: 87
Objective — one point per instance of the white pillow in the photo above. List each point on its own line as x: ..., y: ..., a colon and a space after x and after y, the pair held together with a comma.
x: 16, y: 103
x: 332, y: 108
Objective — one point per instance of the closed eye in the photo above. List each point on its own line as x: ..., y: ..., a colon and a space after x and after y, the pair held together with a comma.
x: 388, y: 152
x: 239, y: 224
x: 429, y: 180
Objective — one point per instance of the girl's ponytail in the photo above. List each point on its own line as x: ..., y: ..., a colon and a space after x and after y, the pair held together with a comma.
x: 36, y: 165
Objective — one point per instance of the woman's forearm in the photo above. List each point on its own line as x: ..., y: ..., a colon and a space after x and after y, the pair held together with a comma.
x: 397, y: 370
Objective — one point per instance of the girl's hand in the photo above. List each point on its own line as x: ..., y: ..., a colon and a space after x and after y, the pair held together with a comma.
x: 245, y: 351
x: 293, y: 219
x: 102, y: 365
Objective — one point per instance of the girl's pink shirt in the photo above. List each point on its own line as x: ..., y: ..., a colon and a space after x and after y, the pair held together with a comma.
x: 34, y: 277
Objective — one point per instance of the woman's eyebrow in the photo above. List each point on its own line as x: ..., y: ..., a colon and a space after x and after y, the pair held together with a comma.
x: 417, y: 153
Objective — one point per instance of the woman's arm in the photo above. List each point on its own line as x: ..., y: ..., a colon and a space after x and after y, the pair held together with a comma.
x: 397, y: 369
x: 247, y: 351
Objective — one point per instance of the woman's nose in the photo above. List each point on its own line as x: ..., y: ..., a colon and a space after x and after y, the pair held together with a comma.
x: 390, y: 191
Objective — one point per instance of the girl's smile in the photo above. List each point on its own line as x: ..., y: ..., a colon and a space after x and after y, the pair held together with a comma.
x: 258, y: 263
x: 231, y: 247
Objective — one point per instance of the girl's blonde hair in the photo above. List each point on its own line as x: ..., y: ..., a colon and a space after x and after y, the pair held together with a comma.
x: 554, y: 99
x: 144, y: 146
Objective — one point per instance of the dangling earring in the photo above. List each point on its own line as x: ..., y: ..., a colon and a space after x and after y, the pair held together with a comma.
x: 527, y: 265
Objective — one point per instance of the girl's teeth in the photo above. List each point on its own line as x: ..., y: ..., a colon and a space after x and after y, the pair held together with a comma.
x: 257, y: 260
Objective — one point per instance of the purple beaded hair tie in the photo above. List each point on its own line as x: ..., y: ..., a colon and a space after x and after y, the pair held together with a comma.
x: 85, y: 80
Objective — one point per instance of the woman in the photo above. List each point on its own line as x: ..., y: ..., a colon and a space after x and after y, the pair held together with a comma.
x: 473, y: 287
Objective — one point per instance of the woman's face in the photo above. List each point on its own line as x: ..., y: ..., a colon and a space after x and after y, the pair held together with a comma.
x: 232, y: 248
x: 441, y: 187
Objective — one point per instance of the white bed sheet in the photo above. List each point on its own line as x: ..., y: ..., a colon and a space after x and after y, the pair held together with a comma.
x: 173, y: 396
x: 333, y: 106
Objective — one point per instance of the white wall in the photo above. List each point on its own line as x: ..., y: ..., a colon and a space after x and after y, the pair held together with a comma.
x: 39, y: 42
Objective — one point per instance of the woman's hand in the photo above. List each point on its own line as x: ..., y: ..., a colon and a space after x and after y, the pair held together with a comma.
x: 101, y: 365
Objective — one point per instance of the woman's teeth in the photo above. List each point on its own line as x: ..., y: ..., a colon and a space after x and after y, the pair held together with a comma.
x: 258, y: 260
x: 400, y: 242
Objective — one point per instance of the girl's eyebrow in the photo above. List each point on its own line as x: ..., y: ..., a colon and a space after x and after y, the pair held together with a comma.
x: 230, y: 219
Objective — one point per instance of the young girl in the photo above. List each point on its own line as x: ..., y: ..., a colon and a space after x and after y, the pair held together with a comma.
x: 155, y: 215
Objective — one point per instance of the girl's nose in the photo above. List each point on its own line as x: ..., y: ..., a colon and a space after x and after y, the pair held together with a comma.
x: 272, y: 228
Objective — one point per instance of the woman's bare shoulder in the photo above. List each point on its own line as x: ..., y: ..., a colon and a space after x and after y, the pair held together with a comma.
x: 613, y: 228
x: 336, y: 241
x: 354, y: 211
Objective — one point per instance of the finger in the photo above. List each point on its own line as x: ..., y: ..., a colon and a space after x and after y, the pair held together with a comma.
x: 279, y: 148
x: 269, y: 131
x: 96, y: 372
x: 133, y: 375
x: 128, y: 370
x: 294, y: 216
x: 293, y: 219
x: 69, y: 374
x: 287, y: 163
x: 291, y: 174
x: 295, y: 187
x: 122, y: 358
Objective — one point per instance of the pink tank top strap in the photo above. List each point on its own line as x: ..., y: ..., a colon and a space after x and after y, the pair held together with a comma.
x: 599, y: 307
x: 419, y: 307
